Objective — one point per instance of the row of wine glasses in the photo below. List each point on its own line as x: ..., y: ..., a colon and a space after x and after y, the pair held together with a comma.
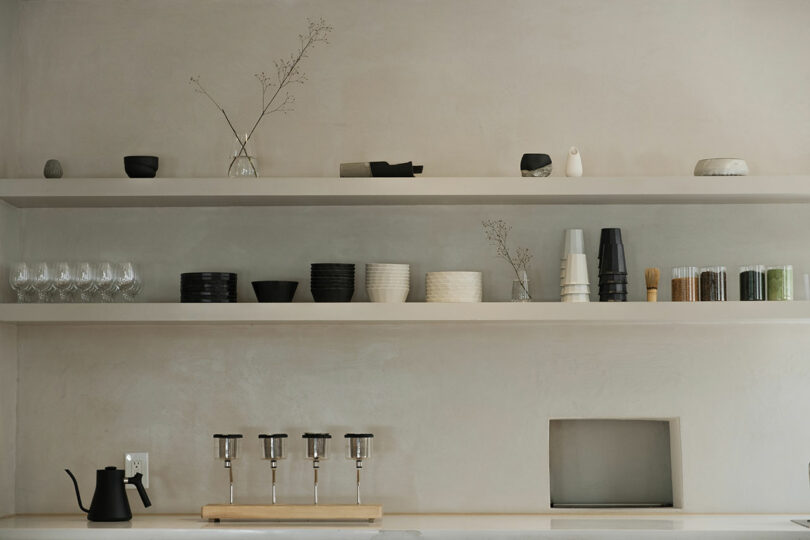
x: 63, y: 282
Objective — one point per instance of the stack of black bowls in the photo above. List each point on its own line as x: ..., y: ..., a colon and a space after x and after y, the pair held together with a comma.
x: 612, y: 267
x: 208, y: 287
x: 332, y: 282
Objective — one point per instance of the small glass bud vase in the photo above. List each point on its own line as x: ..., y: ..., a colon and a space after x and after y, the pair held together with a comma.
x: 520, y: 289
x: 243, y: 161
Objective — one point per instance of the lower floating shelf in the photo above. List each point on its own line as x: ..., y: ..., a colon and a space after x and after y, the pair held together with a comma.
x: 292, y: 512
x: 412, y: 313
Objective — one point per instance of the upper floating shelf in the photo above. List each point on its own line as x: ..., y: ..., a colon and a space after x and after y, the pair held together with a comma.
x: 409, y: 313
x: 171, y: 192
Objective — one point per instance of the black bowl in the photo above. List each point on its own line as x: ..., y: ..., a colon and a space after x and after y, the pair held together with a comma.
x: 348, y: 280
x: 332, y: 266
x: 208, y: 275
x: 332, y: 295
x: 208, y: 286
x: 141, y: 166
x: 274, y: 291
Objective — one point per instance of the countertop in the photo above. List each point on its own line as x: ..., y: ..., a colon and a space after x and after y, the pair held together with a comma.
x: 425, y: 526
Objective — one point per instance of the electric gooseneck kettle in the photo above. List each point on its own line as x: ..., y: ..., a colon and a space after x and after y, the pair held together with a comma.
x: 110, y: 498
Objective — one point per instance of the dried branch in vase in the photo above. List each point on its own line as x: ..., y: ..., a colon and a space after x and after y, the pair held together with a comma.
x: 277, y: 86
x: 497, y: 232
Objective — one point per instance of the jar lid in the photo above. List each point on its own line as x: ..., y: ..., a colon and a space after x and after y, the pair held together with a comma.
x: 273, y: 436
x: 316, y: 436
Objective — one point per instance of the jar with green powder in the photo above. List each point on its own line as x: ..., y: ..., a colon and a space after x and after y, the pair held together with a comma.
x: 780, y: 282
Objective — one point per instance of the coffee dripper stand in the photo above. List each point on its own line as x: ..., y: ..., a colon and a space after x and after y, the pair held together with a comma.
x: 358, y: 448
x: 317, y: 449
x: 226, y: 448
x: 273, y: 450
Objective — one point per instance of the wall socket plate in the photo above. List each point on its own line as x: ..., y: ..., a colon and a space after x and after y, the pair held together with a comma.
x: 137, y: 462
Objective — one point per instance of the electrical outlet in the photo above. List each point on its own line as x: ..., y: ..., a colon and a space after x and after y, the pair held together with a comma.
x: 137, y: 462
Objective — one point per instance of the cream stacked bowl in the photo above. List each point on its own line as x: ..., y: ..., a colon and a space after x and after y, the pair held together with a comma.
x: 574, y: 242
x: 453, y: 287
x: 388, y: 283
x: 576, y: 285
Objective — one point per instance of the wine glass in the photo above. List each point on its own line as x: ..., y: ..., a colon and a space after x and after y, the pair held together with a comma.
x: 64, y: 280
x: 105, y: 281
x: 127, y: 280
x: 20, y: 280
x: 42, y: 281
x: 85, y: 279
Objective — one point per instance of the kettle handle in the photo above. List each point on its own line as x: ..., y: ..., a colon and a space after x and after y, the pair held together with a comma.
x: 136, y: 481
x: 76, y: 486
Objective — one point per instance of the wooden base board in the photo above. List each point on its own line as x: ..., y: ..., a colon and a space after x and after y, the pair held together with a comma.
x: 292, y: 512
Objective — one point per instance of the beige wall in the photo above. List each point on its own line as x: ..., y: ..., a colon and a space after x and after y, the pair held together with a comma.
x: 460, y: 412
x: 465, y: 88
x: 9, y: 80
x: 8, y: 417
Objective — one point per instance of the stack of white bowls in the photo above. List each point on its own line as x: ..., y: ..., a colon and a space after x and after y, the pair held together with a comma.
x: 574, y: 244
x: 453, y: 286
x: 388, y: 282
x: 576, y: 285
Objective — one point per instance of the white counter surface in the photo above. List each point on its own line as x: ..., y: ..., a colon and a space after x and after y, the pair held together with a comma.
x: 399, y: 527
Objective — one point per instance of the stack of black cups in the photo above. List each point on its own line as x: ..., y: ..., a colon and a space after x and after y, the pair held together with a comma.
x: 332, y: 282
x: 612, y: 267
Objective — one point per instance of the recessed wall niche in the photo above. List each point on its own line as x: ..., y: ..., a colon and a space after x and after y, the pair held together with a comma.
x: 615, y: 463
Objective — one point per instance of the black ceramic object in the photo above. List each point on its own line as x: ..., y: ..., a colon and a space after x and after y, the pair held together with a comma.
x: 537, y: 165
x: 208, y: 287
x: 141, y: 166
x: 333, y: 295
x: 379, y: 169
x: 274, y: 291
x: 53, y: 169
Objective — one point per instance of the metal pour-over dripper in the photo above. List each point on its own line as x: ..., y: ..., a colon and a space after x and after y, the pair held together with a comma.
x: 226, y: 450
x: 358, y: 448
x: 317, y: 444
x: 273, y: 449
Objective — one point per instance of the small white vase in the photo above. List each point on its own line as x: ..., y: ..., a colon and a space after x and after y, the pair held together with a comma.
x: 573, y: 166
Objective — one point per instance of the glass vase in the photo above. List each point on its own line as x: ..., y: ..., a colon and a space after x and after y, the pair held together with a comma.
x: 243, y: 162
x: 520, y: 289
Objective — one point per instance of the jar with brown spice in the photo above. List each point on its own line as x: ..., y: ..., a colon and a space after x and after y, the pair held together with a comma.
x: 685, y: 284
x: 713, y: 284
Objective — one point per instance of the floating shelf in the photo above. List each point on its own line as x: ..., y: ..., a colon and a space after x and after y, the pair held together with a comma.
x: 410, y: 313
x: 171, y: 192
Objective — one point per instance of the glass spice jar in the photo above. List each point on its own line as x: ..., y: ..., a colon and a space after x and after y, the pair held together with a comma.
x: 780, y: 282
x: 685, y: 284
x: 752, y: 283
x: 713, y: 284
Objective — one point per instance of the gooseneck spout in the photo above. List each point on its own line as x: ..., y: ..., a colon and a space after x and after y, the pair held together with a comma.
x: 76, y: 486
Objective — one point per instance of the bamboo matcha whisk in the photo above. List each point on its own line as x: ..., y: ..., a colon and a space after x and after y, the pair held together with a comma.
x: 651, y: 276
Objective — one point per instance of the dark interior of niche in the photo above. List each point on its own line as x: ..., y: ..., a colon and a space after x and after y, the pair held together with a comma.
x: 597, y: 463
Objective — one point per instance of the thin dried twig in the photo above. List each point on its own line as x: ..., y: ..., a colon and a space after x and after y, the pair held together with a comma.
x: 287, y: 72
x: 497, y: 232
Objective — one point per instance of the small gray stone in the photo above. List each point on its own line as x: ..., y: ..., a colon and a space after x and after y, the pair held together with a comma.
x: 53, y: 169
